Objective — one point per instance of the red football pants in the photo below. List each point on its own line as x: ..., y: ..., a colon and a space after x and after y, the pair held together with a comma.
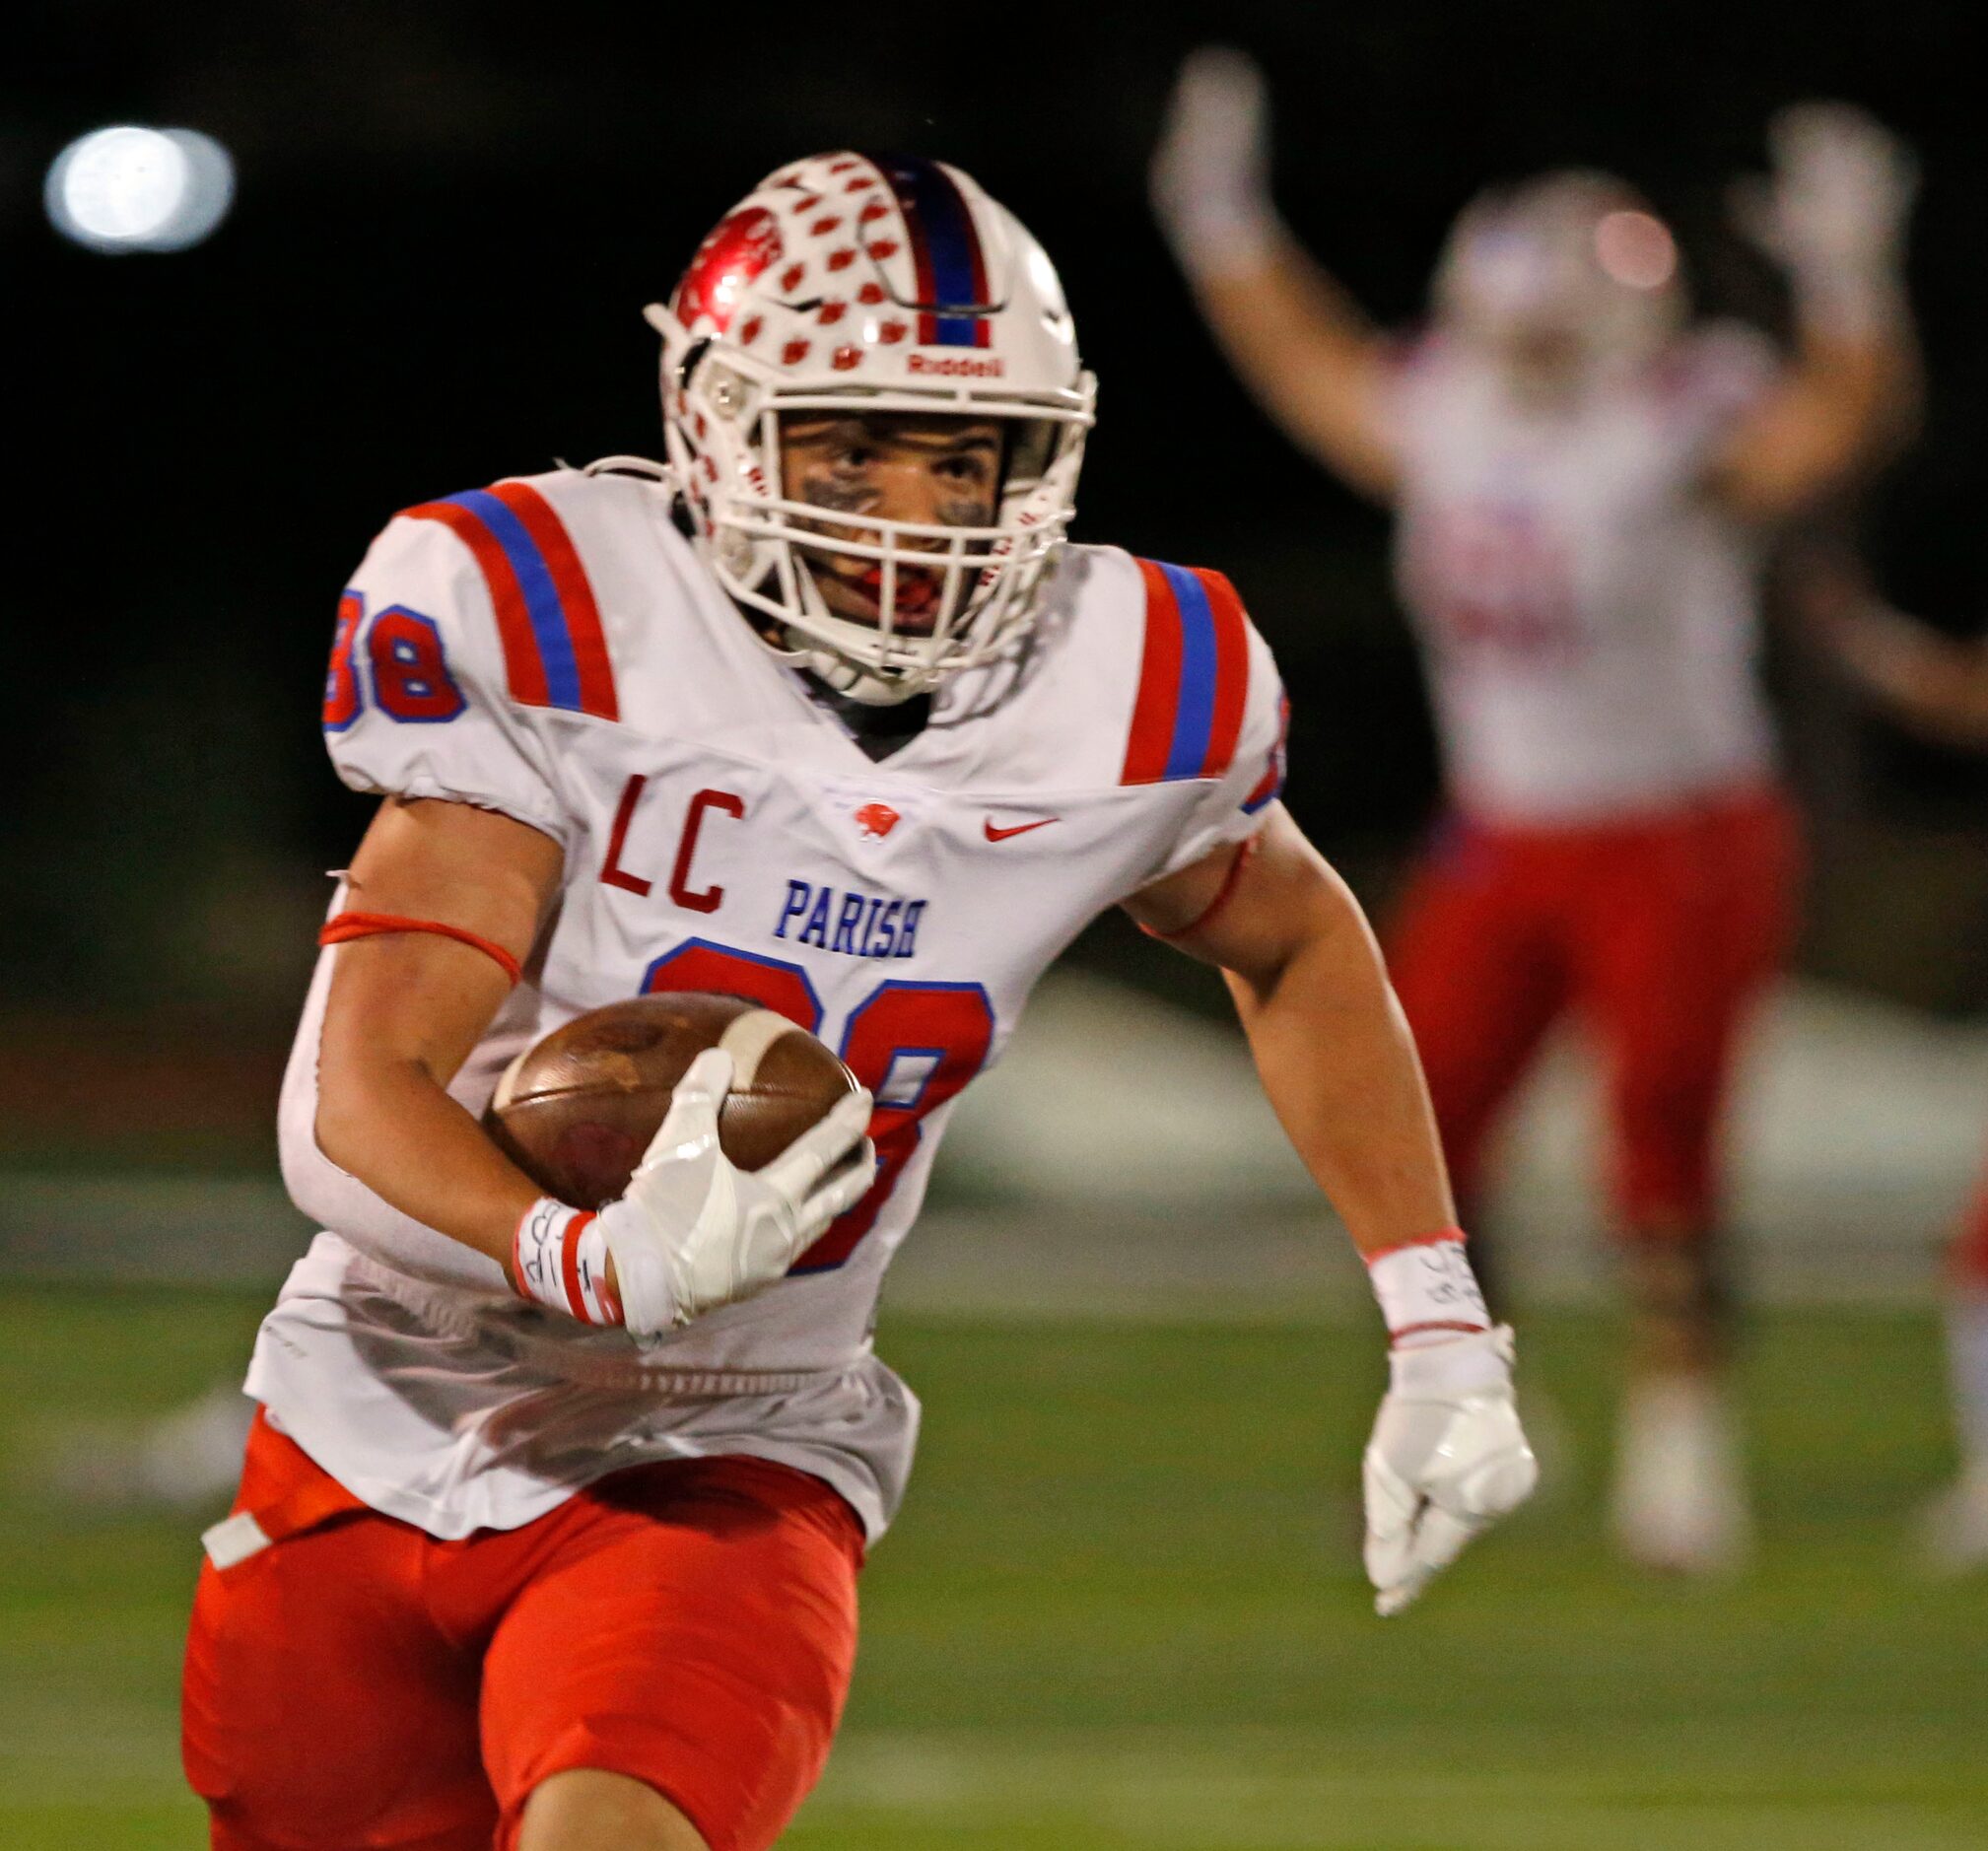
x: 360, y: 1686
x: 1661, y: 930
x: 1969, y: 1254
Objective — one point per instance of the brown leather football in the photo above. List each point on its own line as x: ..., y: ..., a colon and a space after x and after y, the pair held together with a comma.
x: 575, y: 1112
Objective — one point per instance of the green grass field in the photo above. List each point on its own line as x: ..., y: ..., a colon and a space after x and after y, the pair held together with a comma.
x: 1123, y: 1610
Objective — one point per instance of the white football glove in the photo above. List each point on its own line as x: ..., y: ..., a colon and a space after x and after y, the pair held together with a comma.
x: 1210, y: 172
x: 1834, y: 210
x: 1447, y: 1459
x: 692, y: 1231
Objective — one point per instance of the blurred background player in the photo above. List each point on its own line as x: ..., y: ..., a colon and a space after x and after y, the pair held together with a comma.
x: 1937, y: 685
x: 1584, y: 481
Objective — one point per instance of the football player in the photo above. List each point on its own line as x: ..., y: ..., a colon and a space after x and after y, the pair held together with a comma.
x: 1938, y: 686
x: 550, y: 1522
x: 1584, y: 481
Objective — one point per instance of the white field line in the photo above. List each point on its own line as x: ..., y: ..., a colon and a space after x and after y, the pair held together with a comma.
x: 1194, y: 1800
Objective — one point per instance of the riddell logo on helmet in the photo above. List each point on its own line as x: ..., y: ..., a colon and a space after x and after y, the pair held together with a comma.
x: 988, y: 368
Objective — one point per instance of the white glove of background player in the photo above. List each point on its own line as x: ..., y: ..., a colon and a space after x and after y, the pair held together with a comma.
x: 1210, y: 172
x: 1834, y: 211
x: 692, y: 1231
x: 1447, y: 1458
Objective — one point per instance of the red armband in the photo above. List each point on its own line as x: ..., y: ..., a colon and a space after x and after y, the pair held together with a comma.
x: 1223, y: 895
x: 344, y: 926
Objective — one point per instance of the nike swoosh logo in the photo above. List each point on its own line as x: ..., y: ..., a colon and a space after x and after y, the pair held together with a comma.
x: 1020, y: 829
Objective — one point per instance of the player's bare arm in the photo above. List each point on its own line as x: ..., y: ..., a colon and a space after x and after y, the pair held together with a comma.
x: 1448, y: 1456
x: 406, y: 1008
x: 1936, y: 684
x: 1330, y: 1041
x: 1297, y: 339
x: 1833, y: 216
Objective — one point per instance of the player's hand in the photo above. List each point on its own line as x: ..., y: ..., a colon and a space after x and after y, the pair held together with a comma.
x: 1834, y: 210
x: 1447, y: 1458
x: 694, y: 1231
x: 1210, y: 172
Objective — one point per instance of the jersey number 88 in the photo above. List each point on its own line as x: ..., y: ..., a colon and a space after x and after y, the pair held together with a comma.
x: 913, y: 1045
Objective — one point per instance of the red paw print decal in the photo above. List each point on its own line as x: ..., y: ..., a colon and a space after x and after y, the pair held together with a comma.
x: 727, y: 262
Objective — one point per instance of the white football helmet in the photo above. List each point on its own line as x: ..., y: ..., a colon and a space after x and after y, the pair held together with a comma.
x: 885, y: 283
x: 1574, y: 255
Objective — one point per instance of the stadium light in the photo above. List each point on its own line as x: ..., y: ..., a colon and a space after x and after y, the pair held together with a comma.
x: 127, y: 188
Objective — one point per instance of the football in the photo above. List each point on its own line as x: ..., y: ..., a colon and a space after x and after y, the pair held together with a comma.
x: 575, y: 1112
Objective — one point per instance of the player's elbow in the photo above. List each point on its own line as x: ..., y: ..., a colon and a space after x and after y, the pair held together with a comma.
x: 1321, y: 945
x: 359, y: 1100
x: 339, y: 1127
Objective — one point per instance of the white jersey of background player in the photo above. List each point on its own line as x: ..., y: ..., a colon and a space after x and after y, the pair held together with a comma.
x: 1589, y: 617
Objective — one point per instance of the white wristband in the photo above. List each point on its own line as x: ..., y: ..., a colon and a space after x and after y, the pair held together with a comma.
x: 559, y: 1258
x: 1427, y: 1290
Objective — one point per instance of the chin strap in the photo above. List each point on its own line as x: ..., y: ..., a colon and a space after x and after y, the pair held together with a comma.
x: 851, y: 680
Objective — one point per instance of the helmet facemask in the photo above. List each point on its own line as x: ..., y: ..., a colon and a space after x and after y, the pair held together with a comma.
x: 724, y: 423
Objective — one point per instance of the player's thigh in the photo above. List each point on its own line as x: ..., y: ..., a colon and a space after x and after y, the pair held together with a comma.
x: 320, y: 1711
x: 587, y: 1808
x: 693, y: 1629
x: 1473, y: 955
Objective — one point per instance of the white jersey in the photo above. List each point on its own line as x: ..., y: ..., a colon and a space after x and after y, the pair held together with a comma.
x: 553, y: 650
x: 1588, y: 615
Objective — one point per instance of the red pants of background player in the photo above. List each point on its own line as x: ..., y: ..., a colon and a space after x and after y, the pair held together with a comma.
x: 1968, y: 1257
x: 1660, y: 930
x: 360, y: 1686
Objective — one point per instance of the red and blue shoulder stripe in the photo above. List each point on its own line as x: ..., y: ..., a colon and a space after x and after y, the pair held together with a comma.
x: 1194, y: 677
x: 555, y: 654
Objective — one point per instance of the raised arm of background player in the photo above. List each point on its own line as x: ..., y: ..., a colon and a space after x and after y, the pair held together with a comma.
x: 1833, y: 216
x: 1338, y: 1063
x: 1936, y: 684
x: 406, y: 1009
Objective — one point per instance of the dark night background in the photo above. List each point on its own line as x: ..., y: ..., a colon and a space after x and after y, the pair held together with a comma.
x: 449, y: 218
